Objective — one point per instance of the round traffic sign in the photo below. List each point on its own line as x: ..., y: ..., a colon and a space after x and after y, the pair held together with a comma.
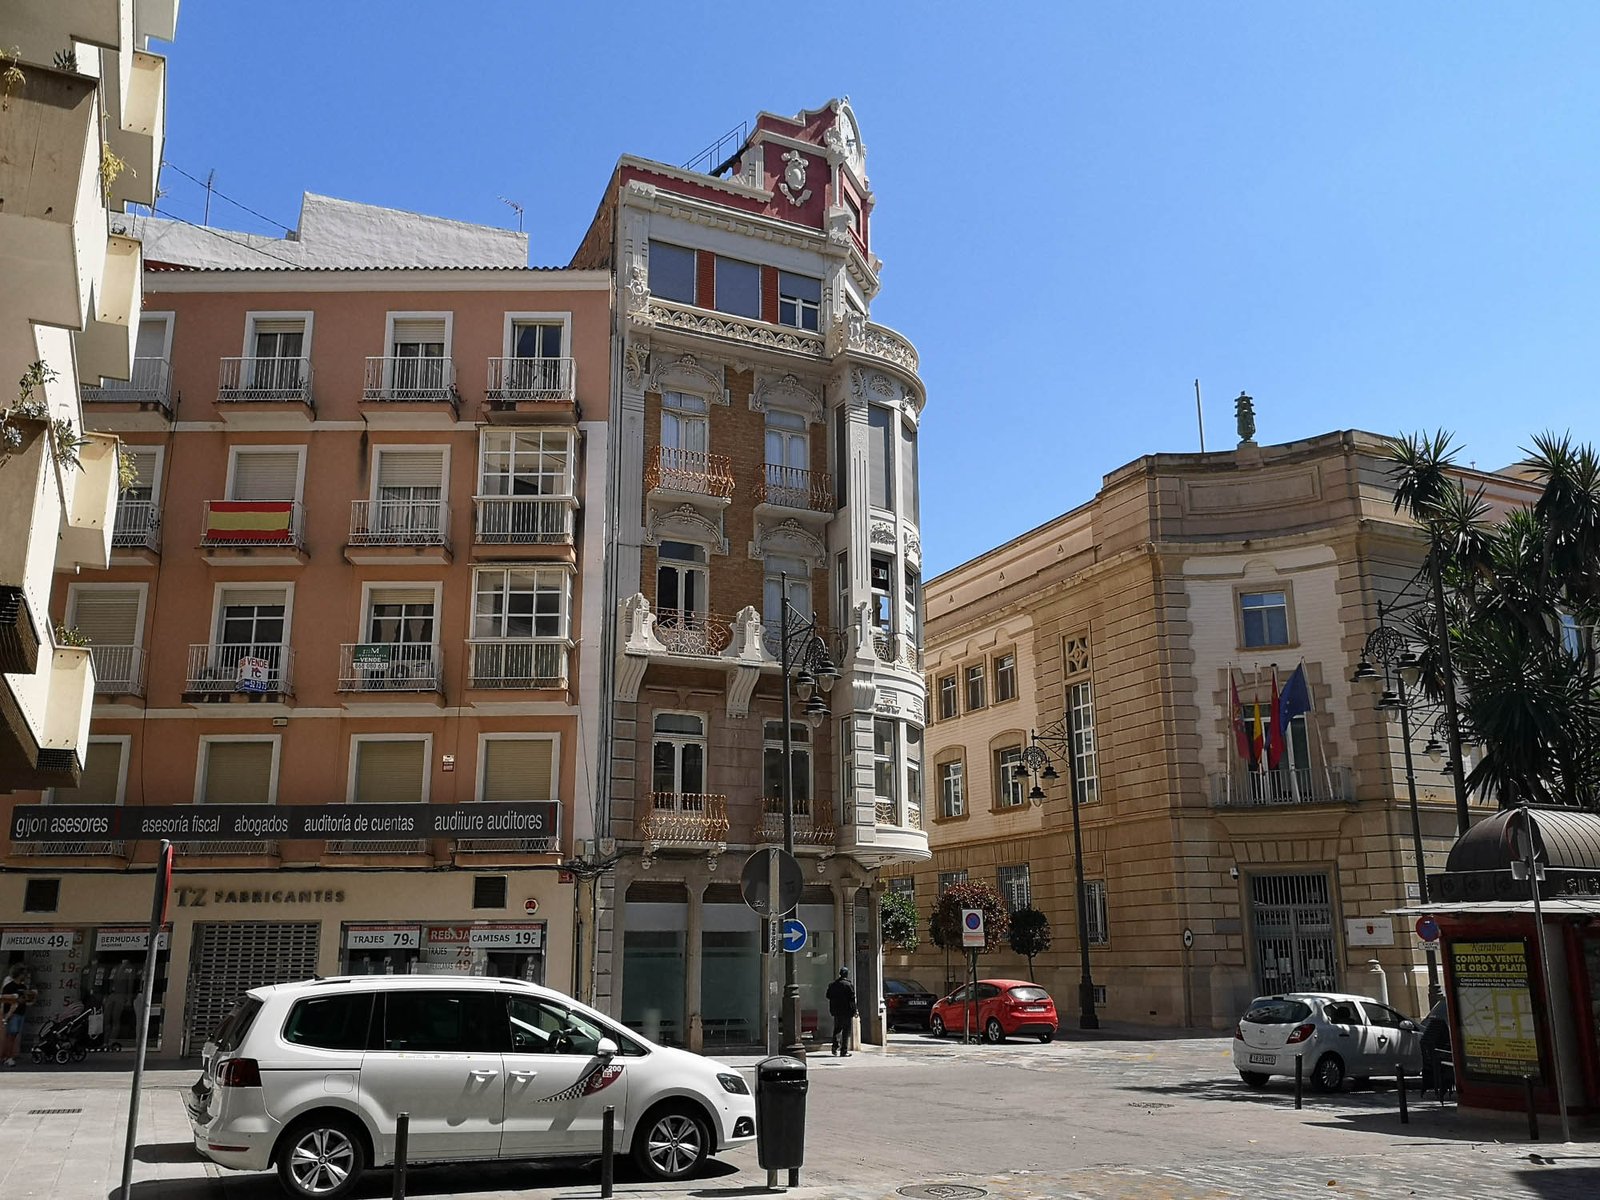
x: 1427, y: 929
x: 974, y: 920
x: 754, y: 882
x: 794, y: 935
x: 1188, y: 939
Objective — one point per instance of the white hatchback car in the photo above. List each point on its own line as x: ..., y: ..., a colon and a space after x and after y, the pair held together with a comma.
x: 309, y: 1077
x: 1336, y: 1036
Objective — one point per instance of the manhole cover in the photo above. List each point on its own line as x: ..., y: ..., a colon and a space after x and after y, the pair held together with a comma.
x: 52, y: 1112
x: 940, y: 1191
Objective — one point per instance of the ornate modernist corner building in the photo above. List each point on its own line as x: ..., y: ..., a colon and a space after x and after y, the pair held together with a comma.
x: 764, y: 441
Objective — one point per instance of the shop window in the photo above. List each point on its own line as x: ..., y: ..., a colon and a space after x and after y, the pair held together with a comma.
x: 330, y: 1022
x: 1263, y: 619
x: 489, y: 891
x: 1005, y: 678
x: 41, y: 895
x: 672, y: 272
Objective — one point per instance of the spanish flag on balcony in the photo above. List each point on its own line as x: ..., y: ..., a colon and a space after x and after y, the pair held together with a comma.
x: 252, y: 521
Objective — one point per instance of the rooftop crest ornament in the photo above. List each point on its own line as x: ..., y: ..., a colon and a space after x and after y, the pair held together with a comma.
x: 1245, y: 414
x: 793, y: 185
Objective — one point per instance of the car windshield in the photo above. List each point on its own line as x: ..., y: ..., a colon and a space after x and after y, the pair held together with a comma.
x: 1029, y: 994
x: 1277, y: 1012
x: 236, y: 1024
x: 900, y: 987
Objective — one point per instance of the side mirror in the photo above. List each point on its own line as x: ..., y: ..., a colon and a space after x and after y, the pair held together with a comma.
x: 607, y: 1048
x: 1408, y: 1025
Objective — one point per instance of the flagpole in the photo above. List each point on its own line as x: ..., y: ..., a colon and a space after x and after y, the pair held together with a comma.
x: 1233, y: 738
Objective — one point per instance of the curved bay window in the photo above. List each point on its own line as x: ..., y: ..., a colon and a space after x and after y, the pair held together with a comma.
x: 897, y: 772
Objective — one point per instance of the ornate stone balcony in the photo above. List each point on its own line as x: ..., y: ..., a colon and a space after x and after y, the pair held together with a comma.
x: 688, y: 473
x: 684, y: 631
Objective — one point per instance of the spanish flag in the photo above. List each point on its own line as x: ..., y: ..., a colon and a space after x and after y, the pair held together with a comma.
x: 257, y: 522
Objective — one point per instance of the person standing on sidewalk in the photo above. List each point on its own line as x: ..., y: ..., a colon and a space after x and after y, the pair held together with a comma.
x: 842, y: 1006
x: 15, y: 996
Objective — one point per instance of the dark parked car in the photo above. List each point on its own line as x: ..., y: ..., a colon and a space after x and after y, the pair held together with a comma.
x: 907, y: 1003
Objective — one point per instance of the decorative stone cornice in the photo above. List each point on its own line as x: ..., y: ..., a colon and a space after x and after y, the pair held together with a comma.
x: 791, y: 538
x: 686, y: 373
x: 686, y: 523
x: 787, y: 392
x: 665, y: 315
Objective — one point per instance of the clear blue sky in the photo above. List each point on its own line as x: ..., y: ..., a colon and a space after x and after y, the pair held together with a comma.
x: 1365, y: 214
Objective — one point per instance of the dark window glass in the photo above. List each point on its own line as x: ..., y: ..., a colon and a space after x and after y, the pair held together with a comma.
x: 540, y: 1026
x: 330, y: 1022
x: 799, y: 300
x: 880, y: 457
x: 1029, y: 995
x: 987, y: 991
x: 1277, y: 1012
x: 443, y: 1022
x: 236, y: 1024
x: 489, y: 891
x: 1342, y: 1012
x: 738, y: 287
x: 41, y: 895
x: 1265, y: 616
x: 671, y: 272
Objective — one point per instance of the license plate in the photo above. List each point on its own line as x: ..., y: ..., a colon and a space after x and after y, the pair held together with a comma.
x: 1264, y: 1060
x: 1033, y: 1008
x: 916, y: 1004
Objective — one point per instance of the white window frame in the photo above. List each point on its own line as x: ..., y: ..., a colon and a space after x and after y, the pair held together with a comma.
x: 252, y: 318
x: 204, y: 751
x: 953, y: 807
x: 563, y: 569
x: 427, y: 760
x: 300, y: 468
x: 994, y: 674
x: 74, y: 590
x: 1009, y: 793
x: 507, y: 346
x: 801, y: 306
x: 220, y: 589
x: 682, y: 739
x: 807, y: 747
x: 126, y: 741
x: 364, y: 616
x: 954, y: 679
x: 555, y: 759
x: 160, y: 471
x: 407, y: 448
x: 1085, y: 744
x: 169, y: 318
x: 982, y: 669
x: 542, y: 430
x: 449, y: 319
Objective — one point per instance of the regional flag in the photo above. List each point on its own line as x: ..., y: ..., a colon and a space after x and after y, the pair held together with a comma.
x: 1275, y: 730
x: 1241, y: 731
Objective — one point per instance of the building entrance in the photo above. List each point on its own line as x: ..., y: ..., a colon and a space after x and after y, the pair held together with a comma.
x: 1292, y: 916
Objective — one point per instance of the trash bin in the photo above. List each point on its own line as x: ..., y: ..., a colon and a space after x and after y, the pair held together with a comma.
x: 781, y: 1113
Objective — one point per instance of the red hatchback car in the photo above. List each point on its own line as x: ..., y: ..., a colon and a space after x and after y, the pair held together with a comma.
x: 1002, y: 1008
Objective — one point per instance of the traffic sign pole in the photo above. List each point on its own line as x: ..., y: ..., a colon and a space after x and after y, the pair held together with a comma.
x: 158, y: 918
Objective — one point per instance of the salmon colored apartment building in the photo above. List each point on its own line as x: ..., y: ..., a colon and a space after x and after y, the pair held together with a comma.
x: 351, y: 572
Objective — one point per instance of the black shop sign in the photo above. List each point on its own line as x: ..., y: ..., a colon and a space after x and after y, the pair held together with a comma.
x: 271, y: 822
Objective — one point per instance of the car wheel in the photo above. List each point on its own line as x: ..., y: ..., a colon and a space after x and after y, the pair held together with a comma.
x: 936, y: 1027
x: 1328, y: 1074
x: 321, y: 1159
x: 993, y: 1033
x: 671, y: 1144
x: 1047, y: 1037
x: 1254, y: 1079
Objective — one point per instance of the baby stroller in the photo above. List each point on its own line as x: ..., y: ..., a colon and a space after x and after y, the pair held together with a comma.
x: 70, y: 1035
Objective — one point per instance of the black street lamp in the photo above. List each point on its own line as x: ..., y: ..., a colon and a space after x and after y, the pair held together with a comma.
x: 1036, y: 764
x: 802, y: 655
x: 1388, y: 646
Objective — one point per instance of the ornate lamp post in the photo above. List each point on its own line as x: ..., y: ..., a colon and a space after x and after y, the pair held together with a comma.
x: 1388, y: 646
x: 1036, y: 764
x: 803, y: 657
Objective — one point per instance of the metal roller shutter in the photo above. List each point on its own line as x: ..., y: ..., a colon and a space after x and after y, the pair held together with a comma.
x: 107, y: 617
x: 144, y: 465
x: 102, y: 771
x: 410, y: 468
x: 265, y: 475
x: 280, y: 325
x: 419, y: 331
x: 388, y: 595
x: 390, y: 772
x: 238, y: 773
x: 516, y: 770
x: 229, y: 958
x: 254, y: 595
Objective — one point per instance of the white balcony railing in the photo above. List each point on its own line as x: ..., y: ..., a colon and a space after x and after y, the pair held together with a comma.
x: 410, y: 380
x: 151, y: 383
x: 517, y: 663
x: 547, y: 379
x: 1302, y: 785
x: 524, y: 519
x: 389, y: 667
x: 263, y: 523
x: 118, y: 670
x: 399, y: 523
x: 138, y: 525
x: 269, y: 379
x: 233, y: 667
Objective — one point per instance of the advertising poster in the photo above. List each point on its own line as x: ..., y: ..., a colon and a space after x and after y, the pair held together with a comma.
x: 1499, y: 1038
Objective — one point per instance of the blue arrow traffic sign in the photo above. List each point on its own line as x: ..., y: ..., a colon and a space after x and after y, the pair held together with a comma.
x: 794, y: 936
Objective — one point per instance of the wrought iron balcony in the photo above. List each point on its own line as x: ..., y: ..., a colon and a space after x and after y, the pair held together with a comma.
x: 250, y: 523
x: 260, y: 669
x: 285, y: 380
x: 813, y: 822
x: 410, y: 380
x: 263, y: 848
x: 1301, y: 785
x: 689, y: 471
x: 138, y: 525
x: 793, y: 487
x: 397, y: 846
x: 399, y: 523
x: 541, y: 845
x: 514, y: 380
x: 69, y: 849
x: 150, y: 383
x: 517, y: 662
x: 685, y: 631
x: 686, y: 819
x: 389, y: 667
x: 514, y: 520
x: 118, y: 670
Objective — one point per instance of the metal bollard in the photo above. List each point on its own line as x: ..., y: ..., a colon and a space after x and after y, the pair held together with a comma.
x: 608, y: 1150
x: 1400, y: 1085
x: 1299, y: 1081
x: 402, y: 1130
x: 1533, y: 1111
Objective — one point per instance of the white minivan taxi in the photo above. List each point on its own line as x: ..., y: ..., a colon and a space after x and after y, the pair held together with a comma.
x: 310, y: 1077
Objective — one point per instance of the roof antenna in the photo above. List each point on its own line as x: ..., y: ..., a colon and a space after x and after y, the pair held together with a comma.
x: 516, y: 208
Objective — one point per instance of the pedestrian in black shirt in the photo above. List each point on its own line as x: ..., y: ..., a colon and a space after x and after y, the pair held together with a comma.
x: 842, y: 1005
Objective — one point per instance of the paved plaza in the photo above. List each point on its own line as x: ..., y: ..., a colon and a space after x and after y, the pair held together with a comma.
x: 1109, y: 1119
